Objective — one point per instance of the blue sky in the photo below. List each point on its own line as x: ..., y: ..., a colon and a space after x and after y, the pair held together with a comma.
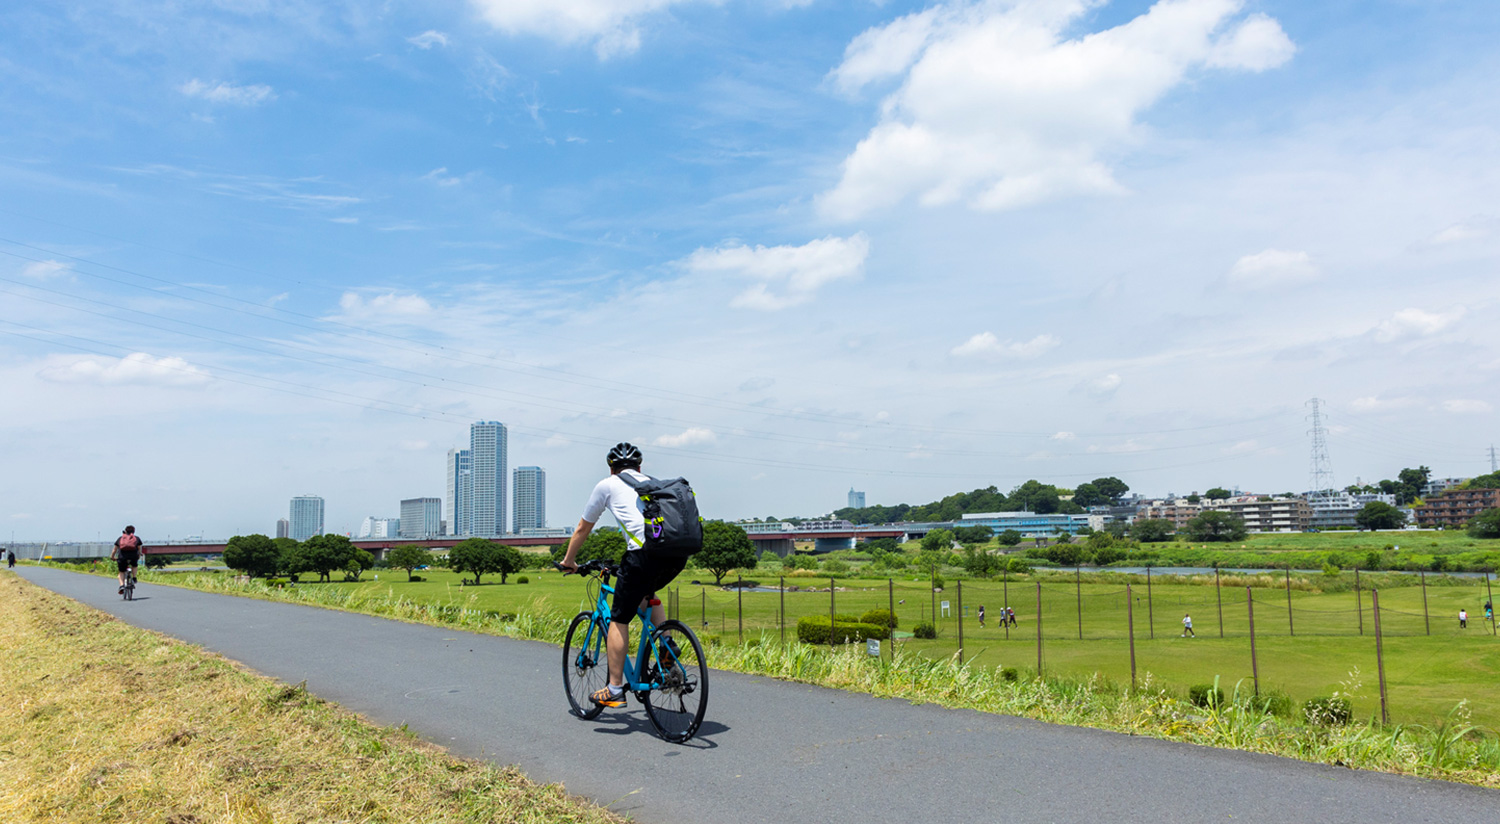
x: 263, y: 249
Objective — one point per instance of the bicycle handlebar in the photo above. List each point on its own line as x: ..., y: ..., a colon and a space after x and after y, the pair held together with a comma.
x: 588, y: 567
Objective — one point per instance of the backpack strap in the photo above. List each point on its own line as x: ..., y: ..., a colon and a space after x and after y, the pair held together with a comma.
x: 633, y: 483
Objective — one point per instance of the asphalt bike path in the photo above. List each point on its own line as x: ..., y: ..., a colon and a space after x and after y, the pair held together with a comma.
x: 768, y: 750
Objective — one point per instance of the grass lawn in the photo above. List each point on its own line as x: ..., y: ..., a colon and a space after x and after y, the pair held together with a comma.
x: 1427, y: 675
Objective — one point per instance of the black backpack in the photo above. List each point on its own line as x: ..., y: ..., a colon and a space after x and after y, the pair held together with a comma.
x: 671, y: 510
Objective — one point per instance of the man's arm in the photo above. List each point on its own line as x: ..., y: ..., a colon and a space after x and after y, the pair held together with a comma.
x: 580, y: 534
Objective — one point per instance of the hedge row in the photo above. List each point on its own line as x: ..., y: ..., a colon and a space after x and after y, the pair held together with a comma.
x: 815, y: 629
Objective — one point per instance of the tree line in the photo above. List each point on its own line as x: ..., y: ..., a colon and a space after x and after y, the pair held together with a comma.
x: 1032, y: 496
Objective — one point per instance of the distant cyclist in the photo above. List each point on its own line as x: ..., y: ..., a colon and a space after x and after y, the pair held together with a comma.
x: 642, y: 572
x: 127, y: 554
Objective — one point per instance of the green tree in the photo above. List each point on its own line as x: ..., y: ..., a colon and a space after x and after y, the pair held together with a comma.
x: 938, y: 540
x: 508, y: 561
x: 1069, y: 554
x: 1152, y: 530
x: 409, y: 557
x: 726, y: 547
x: 1034, y: 496
x: 254, y: 555
x: 1089, y: 495
x: 1009, y: 537
x: 1218, y: 493
x: 1214, y: 526
x: 1112, y: 488
x: 1490, y: 481
x: 156, y: 561
x: 1380, y: 515
x: 475, y: 556
x: 1485, y: 525
x: 973, y: 534
x: 980, y: 563
x: 289, y: 552
x: 325, y: 553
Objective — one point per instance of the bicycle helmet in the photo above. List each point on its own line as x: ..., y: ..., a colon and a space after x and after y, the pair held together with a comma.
x: 624, y: 455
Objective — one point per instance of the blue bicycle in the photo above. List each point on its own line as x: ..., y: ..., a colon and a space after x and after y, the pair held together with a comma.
x: 668, y: 674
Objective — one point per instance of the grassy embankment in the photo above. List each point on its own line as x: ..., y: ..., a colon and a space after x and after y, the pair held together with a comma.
x: 103, y: 722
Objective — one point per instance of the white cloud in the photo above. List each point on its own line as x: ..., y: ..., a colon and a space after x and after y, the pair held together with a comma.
x: 441, y: 177
x: 1103, y: 385
x: 1064, y: 436
x: 1273, y: 267
x: 785, y: 275
x: 689, y: 437
x: 1377, y: 404
x: 612, y: 26
x: 135, y: 369
x: 428, y: 39
x: 1241, y: 447
x: 227, y: 93
x: 985, y: 343
x: 389, y: 306
x: 1415, y: 323
x: 45, y: 269
x: 414, y: 446
x: 998, y: 109
x: 1471, y: 229
x: 1466, y: 407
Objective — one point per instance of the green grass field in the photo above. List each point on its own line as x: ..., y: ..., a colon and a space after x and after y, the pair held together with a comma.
x: 1426, y: 674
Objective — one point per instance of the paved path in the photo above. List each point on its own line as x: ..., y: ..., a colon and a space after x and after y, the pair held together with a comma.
x: 768, y: 751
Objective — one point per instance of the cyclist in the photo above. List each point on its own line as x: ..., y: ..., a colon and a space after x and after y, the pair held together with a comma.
x: 642, y: 572
x: 127, y: 554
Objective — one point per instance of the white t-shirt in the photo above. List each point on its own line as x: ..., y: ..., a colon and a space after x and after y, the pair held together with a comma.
x: 617, y: 496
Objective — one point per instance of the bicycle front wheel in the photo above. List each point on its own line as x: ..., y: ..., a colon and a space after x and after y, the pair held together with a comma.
x: 679, y: 682
x: 585, y: 665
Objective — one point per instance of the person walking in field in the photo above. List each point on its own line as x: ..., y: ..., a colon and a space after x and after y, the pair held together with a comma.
x: 1463, y: 619
x: 1187, y: 627
x: 981, y: 616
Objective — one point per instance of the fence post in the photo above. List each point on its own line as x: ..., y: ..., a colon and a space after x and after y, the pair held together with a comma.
x: 830, y: 615
x: 1425, y: 615
x: 739, y: 605
x: 932, y: 596
x: 1218, y: 591
x: 1039, y: 629
x: 1078, y: 585
x: 1290, y: 627
x: 1254, y: 665
x: 1491, y: 599
x: 960, y: 589
x: 1385, y: 714
x: 703, y: 605
x: 890, y: 592
x: 1150, y: 610
x: 1130, y: 625
x: 781, y: 613
x: 1359, y: 602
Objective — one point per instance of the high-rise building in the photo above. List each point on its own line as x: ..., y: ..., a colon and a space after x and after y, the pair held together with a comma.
x: 307, y: 517
x: 374, y: 527
x: 421, y: 518
x: 856, y: 499
x: 283, y: 528
x: 531, y: 498
x: 460, y: 476
x: 487, y: 448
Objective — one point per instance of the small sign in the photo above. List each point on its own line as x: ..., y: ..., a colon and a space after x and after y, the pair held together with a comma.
x: 872, y: 645
x: 944, y: 606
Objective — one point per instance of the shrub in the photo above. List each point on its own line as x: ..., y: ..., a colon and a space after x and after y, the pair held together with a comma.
x: 1010, y: 674
x: 938, y: 582
x: 924, y: 630
x: 415, y: 579
x: 880, y: 618
x: 1206, y: 695
x: 815, y: 629
x: 1272, y: 703
x: 1327, y: 711
x: 522, y: 579
x: 834, y: 566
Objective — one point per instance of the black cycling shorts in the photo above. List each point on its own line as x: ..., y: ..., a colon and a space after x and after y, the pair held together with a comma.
x: 642, y: 573
x: 124, y: 562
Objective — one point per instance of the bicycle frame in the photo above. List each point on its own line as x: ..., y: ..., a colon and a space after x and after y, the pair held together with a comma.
x: 601, y: 622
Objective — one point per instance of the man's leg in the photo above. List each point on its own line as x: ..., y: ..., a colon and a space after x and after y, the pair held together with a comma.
x: 617, y: 642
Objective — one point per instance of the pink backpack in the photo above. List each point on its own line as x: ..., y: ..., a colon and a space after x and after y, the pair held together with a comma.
x: 129, y: 543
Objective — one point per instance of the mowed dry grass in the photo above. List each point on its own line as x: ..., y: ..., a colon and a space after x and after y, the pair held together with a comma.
x: 103, y: 722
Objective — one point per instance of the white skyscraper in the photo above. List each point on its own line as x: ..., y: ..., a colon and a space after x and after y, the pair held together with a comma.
x: 307, y: 517
x: 531, y: 498
x: 856, y: 499
x: 460, y: 476
x: 487, y: 449
x: 421, y: 518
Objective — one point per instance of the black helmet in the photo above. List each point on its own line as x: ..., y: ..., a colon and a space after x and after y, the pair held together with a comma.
x: 624, y: 455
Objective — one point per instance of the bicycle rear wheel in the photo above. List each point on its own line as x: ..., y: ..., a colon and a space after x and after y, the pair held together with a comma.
x: 585, y: 666
x: 679, y: 676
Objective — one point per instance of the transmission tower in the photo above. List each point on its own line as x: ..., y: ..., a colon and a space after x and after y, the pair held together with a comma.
x: 1494, y: 467
x: 1321, y: 474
